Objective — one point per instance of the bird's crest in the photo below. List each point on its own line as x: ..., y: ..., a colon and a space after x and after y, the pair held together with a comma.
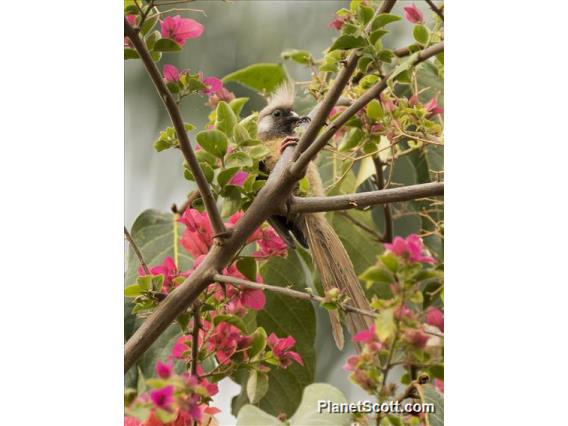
x: 283, y: 97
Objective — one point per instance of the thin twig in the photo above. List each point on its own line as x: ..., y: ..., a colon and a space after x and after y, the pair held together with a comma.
x: 304, y: 156
x: 361, y: 225
x: 288, y: 292
x: 134, y: 247
x: 195, y: 338
x: 387, y: 236
x: 435, y: 8
x: 177, y: 121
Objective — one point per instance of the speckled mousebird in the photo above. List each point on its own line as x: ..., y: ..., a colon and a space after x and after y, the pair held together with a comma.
x: 277, y: 126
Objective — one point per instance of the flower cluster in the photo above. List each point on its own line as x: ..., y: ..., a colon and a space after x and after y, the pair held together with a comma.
x: 407, y: 329
x: 178, y: 399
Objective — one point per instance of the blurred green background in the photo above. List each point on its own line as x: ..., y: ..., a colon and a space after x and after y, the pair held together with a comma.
x: 236, y: 34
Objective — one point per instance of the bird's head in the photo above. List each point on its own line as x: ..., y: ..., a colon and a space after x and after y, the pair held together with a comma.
x: 278, y: 118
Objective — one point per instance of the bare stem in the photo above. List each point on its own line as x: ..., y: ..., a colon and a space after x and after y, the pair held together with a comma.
x: 137, y: 251
x: 287, y: 292
x: 177, y: 121
x: 365, y: 199
x: 436, y: 9
x: 387, y: 236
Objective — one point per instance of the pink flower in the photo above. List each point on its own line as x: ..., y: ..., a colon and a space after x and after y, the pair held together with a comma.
x: 369, y: 338
x: 351, y: 363
x: 131, y: 421
x: 171, y: 73
x: 224, y: 341
x: 213, y: 84
x: 238, y: 179
x: 168, y: 269
x: 433, y: 108
x: 270, y: 245
x: 435, y: 317
x: 180, y: 29
x: 180, y: 346
x: 221, y: 95
x: 388, y: 103
x: 163, y: 370
x: 280, y: 350
x: 163, y: 397
x: 416, y: 338
x: 413, y: 15
x: 338, y: 22
x: 256, y: 235
x: 249, y: 297
x: 439, y: 384
x: 410, y: 249
x: 132, y: 21
x: 403, y: 312
x: 197, y: 238
x: 413, y: 100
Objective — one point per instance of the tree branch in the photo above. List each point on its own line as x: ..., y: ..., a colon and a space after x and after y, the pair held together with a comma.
x: 269, y: 201
x: 331, y: 98
x: 195, y: 338
x: 364, y: 199
x: 435, y: 8
x: 177, y: 121
x: 134, y: 247
x: 387, y: 236
x: 287, y: 292
x: 312, y: 150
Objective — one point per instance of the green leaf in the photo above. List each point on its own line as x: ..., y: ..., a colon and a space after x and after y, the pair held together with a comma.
x: 240, y: 134
x: 258, y: 152
x: 378, y: 275
x: 257, y: 386
x: 265, y: 78
x: 377, y: 35
x: 213, y: 141
x: 258, y: 342
x: 133, y: 290
x: 247, y: 267
x: 161, y: 145
x: 421, y: 34
x: 249, y: 123
x: 385, y: 324
x: 166, y: 45
x: 375, y: 110
x: 346, y: 42
x: 225, y: 118
x: 231, y: 319
x: 390, y: 260
x: 149, y: 24
x: 284, y: 317
x: 431, y: 395
x: 231, y: 201
x: 130, y: 53
x: 300, y: 56
x: 238, y: 159
x: 308, y: 413
x: 224, y: 176
x: 250, y: 415
x: 355, y: 136
x: 238, y: 104
x: 384, y: 19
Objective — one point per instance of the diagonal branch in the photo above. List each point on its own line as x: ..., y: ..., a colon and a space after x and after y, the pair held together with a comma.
x: 331, y: 98
x: 364, y: 199
x: 269, y: 201
x: 436, y: 9
x: 177, y: 121
x: 309, y: 154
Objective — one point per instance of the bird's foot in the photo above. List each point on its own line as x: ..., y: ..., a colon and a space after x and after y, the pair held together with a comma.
x: 288, y: 141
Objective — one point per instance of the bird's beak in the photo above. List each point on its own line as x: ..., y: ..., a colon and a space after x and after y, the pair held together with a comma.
x: 296, y: 120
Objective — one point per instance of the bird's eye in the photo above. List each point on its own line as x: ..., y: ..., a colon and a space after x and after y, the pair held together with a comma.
x: 277, y: 113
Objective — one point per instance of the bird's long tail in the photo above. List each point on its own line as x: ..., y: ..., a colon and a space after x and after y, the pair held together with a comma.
x: 336, y: 270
